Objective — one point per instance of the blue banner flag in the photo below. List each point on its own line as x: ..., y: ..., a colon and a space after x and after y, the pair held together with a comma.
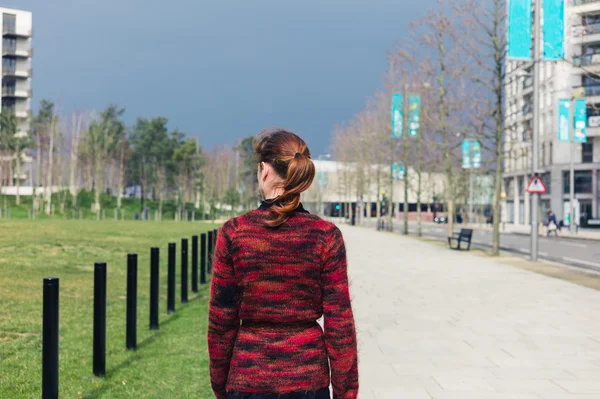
x: 563, y: 119
x: 554, y: 29
x: 398, y: 170
x: 397, y: 116
x: 414, y: 115
x: 476, y: 154
x: 466, y: 154
x: 579, y: 120
x: 519, y: 29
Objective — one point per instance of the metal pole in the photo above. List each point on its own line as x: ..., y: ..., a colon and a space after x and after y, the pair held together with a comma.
x: 131, y: 332
x: 154, y: 267
x: 419, y: 230
x: 571, y: 166
x: 184, y: 269
x: 203, y: 258
x: 471, y: 184
x: 99, y: 356
x: 50, y: 339
x: 194, y: 263
x: 209, y: 254
x: 391, y: 200
x: 171, y: 279
x: 405, y: 160
x: 535, y: 198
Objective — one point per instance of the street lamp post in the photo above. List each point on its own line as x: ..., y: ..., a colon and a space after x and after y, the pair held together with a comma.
x: 535, y: 198
x: 405, y: 157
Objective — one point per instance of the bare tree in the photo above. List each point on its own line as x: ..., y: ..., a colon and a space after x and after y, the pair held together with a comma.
x: 482, y: 37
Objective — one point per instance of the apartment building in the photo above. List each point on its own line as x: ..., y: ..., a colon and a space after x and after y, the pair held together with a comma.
x: 577, y: 75
x: 16, y: 71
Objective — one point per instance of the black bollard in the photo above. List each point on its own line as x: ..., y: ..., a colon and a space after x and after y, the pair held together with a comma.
x: 99, y: 319
x: 131, y: 331
x: 194, y: 263
x: 203, y: 258
x: 154, y: 259
x: 184, y: 270
x: 209, y: 254
x: 171, y: 279
x: 50, y: 339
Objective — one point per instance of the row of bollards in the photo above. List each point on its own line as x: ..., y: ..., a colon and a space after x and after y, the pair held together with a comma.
x: 50, y: 322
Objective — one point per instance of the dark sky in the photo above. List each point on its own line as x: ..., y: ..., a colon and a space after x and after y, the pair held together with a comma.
x: 218, y: 69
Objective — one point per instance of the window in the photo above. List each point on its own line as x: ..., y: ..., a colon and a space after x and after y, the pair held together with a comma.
x: 544, y: 154
x: 9, y: 44
x: 520, y: 185
x: 550, y: 154
x: 509, y: 187
x: 546, y: 181
x: 587, y: 151
x: 583, y: 182
x: 9, y: 64
x: 9, y: 22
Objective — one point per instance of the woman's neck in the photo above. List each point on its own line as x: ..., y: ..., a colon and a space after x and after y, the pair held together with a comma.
x: 272, y: 194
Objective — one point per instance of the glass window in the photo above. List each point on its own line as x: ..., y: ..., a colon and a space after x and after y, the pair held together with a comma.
x: 509, y: 187
x: 583, y: 182
x: 546, y: 181
x: 9, y: 22
x: 587, y: 151
x: 520, y: 185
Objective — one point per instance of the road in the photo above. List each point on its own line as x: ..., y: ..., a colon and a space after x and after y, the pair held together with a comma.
x: 575, y: 252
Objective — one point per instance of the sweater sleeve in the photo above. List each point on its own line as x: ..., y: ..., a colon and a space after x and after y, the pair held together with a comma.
x: 223, y: 319
x: 340, y: 334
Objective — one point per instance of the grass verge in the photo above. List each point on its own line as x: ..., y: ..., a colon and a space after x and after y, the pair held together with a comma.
x: 169, y: 363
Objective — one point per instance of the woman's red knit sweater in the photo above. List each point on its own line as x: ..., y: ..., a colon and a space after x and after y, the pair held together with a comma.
x: 268, y: 288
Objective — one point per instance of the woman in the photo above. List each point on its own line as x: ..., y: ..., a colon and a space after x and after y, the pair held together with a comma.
x: 277, y: 270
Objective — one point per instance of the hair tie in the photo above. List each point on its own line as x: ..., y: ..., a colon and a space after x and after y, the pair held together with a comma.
x: 297, y: 155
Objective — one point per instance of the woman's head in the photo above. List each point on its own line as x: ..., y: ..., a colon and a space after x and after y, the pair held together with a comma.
x: 284, y: 170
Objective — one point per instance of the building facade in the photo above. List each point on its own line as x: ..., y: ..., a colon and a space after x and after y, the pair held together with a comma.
x: 340, y: 190
x: 16, y: 69
x: 577, y: 75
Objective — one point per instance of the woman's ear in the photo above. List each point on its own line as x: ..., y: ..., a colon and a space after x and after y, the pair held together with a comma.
x: 263, y: 171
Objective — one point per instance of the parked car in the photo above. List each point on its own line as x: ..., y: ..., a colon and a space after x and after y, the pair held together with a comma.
x: 441, y: 219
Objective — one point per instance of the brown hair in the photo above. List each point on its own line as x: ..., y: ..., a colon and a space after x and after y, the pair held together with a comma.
x: 290, y: 158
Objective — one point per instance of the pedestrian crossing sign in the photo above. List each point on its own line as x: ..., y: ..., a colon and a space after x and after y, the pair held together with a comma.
x: 536, y: 186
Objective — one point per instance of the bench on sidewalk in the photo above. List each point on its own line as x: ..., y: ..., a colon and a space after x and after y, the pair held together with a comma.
x: 465, y: 235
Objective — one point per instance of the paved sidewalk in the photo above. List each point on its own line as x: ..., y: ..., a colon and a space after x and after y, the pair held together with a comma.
x: 435, y: 323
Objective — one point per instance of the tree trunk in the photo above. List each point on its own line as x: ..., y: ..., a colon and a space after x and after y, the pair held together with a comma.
x: 18, y: 182
x: 48, y: 189
x: 38, y: 173
x: 76, y: 124
x: 499, y: 119
x: 121, y: 179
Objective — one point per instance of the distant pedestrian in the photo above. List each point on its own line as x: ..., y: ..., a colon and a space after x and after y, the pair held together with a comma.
x: 276, y: 270
x: 552, y: 227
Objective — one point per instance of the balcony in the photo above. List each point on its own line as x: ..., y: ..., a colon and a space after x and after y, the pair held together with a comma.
x: 591, y: 90
x: 13, y: 51
x: 17, y: 73
x: 19, y: 112
x: 589, y: 33
x: 584, y: 6
x: 11, y: 30
x: 8, y: 91
x: 585, y: 60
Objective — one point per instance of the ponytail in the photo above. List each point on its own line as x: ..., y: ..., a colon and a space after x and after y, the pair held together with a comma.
x: 299, y: 177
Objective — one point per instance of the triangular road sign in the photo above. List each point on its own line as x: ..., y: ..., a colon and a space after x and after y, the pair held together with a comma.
x: 536, y: 186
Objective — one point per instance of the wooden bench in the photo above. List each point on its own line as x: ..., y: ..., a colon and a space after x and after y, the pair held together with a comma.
x: 465, y: 235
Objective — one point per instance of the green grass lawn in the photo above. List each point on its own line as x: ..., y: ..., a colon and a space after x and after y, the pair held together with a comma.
x: 169, y: 363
